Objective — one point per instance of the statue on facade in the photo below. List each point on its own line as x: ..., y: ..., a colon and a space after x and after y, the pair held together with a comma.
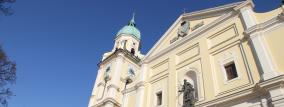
x: 188, y: 94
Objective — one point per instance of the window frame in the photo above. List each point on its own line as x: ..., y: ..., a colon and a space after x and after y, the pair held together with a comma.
x: 225, y: 62
x: 233, y: 74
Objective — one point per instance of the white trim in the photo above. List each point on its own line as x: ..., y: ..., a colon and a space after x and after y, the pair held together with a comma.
x: 229, y: 58
x: 247, y: 15
x: 263, y: 56
x: 140, y: 86
x: 162, y: 38
x: 140, y: 98
x: 229, y: 7
x: 115, y: 77
x: 265, y: 25
x: 214, y: 9
x: 196, y: 68
x: 125, y: 99
x: 189, y: 37
x: 256, y: 35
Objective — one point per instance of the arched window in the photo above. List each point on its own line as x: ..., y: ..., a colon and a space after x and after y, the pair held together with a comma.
x: 132, y: 51
x: 192, y: 79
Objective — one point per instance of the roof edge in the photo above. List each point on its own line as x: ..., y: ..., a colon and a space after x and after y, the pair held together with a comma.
x: 234, y: 6
x: 215, y: 9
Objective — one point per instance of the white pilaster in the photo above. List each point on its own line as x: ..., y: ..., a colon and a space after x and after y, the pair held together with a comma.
x: 115, y: 77
x: 248, y: 16
x: 141, y: 89
x: 99, y: 75
x: 125, y: 100
x: 95, y: 88
x: 264, y: 58
x: 277, y: 96
x: 260, y: 49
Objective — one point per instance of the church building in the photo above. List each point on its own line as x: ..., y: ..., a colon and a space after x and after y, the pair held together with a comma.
x: 226, y: 56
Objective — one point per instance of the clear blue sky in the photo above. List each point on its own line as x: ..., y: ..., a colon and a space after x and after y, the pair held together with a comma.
x: 58, y: 43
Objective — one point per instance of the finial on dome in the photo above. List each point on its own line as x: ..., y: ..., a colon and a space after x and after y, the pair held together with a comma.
x: 132, y: 21
x: 133, y: 16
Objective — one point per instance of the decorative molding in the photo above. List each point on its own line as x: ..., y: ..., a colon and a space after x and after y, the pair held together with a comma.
x: 140, y: 84
x: 210, y: 39
x: 228, y: 58
x: 205, y: 28
x: 256, y: 36
x: 198, y: 25
x: 191, y: 36
x: 117, y: 37
x: 113, y: 86
x: 159, y: 68
x: 187, y: 54
x: 158, y: 78
x: 243, y: 4
x: 199, y: 77
x: 262, y: 26
x: 215, y: 9
x: 122, y: 54
x: 107, y: 100
x: 214, y: 75
x: 135, y: 87
x: 252, y: 91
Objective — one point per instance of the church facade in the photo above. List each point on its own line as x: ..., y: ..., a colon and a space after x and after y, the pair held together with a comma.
x: 230, y: 56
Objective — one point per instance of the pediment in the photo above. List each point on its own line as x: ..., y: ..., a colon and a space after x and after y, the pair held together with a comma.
x: 197, y: 21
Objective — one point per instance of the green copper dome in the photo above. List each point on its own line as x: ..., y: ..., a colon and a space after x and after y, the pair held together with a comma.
x: 130, y: 29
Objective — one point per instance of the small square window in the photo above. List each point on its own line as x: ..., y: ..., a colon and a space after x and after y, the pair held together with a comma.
x: 159, y: 98
x: 231, y: 71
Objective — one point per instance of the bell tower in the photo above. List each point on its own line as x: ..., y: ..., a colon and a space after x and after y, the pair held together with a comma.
x: 128, y: 38
x: 118, y: 68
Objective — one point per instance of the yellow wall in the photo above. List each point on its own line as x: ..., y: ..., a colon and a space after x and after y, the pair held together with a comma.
x: 203, y: 54
x: 274, y: 40
x: 262, y: 17
x: 201, y: 60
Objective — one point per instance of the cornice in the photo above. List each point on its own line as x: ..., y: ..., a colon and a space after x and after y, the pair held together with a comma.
x: 113, y: 86
x: 213, y: 10
x: 271, y: 82
x: 255, y: 90
x: 135, y: 87
x: 192, y: 14
x: 162, y: 38
x: 122, y: 53
x: 192, y: 35
x: 128, y: 36
x: 264, y: 25
x: 243, y: 4
x: 107, y: 100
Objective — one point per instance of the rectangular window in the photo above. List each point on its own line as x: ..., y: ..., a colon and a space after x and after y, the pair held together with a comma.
x: 159, y: 98
x: 231, y: 71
